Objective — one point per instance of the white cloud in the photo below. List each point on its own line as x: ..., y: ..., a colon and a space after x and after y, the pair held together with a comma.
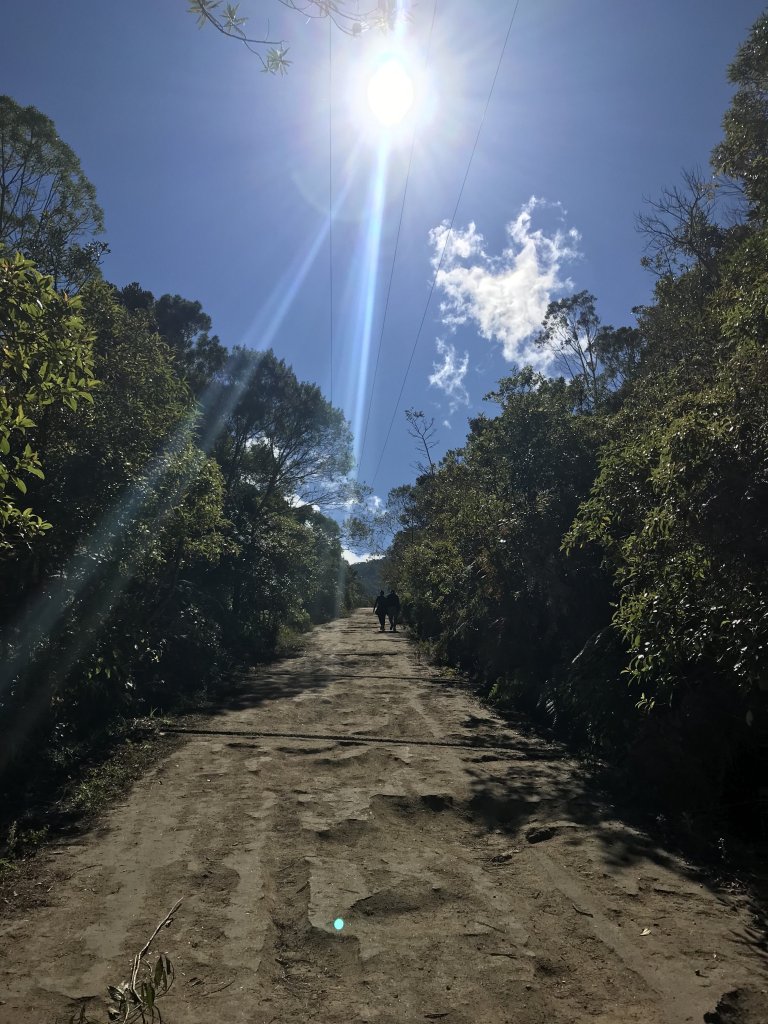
x: 458, y: 245
x: 505, y: 296
x: 296, y: 501
x: 371, y: 503
x: 450, y: 373
x: 353, y: 559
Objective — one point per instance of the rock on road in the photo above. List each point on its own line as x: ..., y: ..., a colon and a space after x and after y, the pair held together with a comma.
x: 479, y: 877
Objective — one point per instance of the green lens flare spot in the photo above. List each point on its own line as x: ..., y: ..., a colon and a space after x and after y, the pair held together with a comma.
x: 338, y: 924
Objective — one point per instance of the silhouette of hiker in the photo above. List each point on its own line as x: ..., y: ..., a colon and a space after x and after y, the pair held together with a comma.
x: 380, y: 608
x: 393, y: 610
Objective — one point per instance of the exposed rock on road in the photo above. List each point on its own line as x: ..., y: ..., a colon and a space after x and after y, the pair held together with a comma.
x: 477, y: 876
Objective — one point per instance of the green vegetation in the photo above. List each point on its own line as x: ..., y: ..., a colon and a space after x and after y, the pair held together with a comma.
x: 351, y: 18
x: 45, y: 359
x: 159, y: 494
x: 48, y: 208
x: 596, y: 552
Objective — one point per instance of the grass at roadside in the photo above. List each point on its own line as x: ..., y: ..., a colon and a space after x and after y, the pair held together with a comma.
x: 70, y: 791
x: 68, y: 804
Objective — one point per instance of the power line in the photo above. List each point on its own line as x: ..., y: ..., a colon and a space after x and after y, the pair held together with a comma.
x: 447, y: 238
x: 394, y: 255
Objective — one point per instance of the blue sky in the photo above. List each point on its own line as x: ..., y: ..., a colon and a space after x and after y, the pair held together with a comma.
x: 214, y: 177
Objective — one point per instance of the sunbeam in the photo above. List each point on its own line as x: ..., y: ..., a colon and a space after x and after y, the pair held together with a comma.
x: 270, y: 317
x: 107, y: 560
x: 364, y: 287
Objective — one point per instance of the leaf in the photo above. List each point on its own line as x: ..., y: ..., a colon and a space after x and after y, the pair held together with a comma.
x: 20, y: 484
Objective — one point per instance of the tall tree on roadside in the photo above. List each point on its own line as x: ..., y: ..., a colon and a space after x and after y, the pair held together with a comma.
x: 284, y: 436
x: 48, y: 208
x: 46, y: 359
x: 185, y: 327
x: 422, y: 430
x: 568, y: 332
x: 743, y: 154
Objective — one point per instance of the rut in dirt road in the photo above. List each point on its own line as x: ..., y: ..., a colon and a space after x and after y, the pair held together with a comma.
x: 478, y: 876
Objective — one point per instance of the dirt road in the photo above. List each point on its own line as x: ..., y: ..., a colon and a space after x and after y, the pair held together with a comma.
x: 478, y: 878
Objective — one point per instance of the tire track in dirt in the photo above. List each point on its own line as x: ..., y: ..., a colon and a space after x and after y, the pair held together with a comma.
x: 478, y: 875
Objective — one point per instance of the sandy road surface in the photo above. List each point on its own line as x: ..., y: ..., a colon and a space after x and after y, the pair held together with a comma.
x: 478, y: 878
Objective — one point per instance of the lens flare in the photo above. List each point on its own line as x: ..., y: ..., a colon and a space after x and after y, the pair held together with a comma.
x: 390, y: 92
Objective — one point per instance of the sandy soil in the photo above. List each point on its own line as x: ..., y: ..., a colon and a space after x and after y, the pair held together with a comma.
x: 479, y: 876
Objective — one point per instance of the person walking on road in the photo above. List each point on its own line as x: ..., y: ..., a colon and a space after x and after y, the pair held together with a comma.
x: 380, y: 609
x: 393, y: 610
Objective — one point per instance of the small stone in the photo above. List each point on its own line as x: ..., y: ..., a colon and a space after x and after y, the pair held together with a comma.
x: 540, y: 835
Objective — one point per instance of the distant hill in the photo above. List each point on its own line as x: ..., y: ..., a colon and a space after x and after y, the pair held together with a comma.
x: 369, y: 575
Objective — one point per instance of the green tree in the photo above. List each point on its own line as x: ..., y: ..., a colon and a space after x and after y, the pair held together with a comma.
x: 45, y: 359
x: 743, y: 153
x: 568, y: 333
x: 227, y: 19
x: 282, y: 433
x: 478, y: 560
x: 186, y: 329
x: 48, y: 208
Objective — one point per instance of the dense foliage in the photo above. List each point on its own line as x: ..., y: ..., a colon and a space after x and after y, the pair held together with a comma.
x: 597, y: 551
x: 160, y: 495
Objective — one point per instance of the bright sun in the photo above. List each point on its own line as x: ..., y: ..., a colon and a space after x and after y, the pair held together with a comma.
x: 390, y: 92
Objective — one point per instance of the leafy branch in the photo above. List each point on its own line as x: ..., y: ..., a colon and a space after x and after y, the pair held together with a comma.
x: 226, y: 18
x: 135, y: 1000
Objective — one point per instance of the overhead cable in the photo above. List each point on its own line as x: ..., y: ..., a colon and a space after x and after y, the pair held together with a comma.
x: 445, y: 243
x: 394, y: 255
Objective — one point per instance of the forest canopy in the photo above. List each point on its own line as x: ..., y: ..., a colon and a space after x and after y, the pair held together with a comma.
x: 160, y: 493
x: 596, y: 551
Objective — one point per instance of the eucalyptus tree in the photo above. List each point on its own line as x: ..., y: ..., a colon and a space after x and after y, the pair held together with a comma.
x: 283, y: 436
x: 743, y: 153
x: 48, y: 208
x: 349, y: 17
x: 186, y: 329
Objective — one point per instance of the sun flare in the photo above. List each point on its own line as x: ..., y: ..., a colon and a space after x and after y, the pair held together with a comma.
x: 390, y: 92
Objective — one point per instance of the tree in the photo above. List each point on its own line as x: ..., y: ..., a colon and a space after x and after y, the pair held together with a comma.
x: 743, y: 153
x: 46, y: 358
x: 478, y: 559
x: 679, y: 512
x: 620, y: 351
x: 283, y: 435
x: 48, y: 208
x: 185, y: 327
x: 423, y: 432
x: 568, y: 331
x: 226, y: 18
x: 680, y: 227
